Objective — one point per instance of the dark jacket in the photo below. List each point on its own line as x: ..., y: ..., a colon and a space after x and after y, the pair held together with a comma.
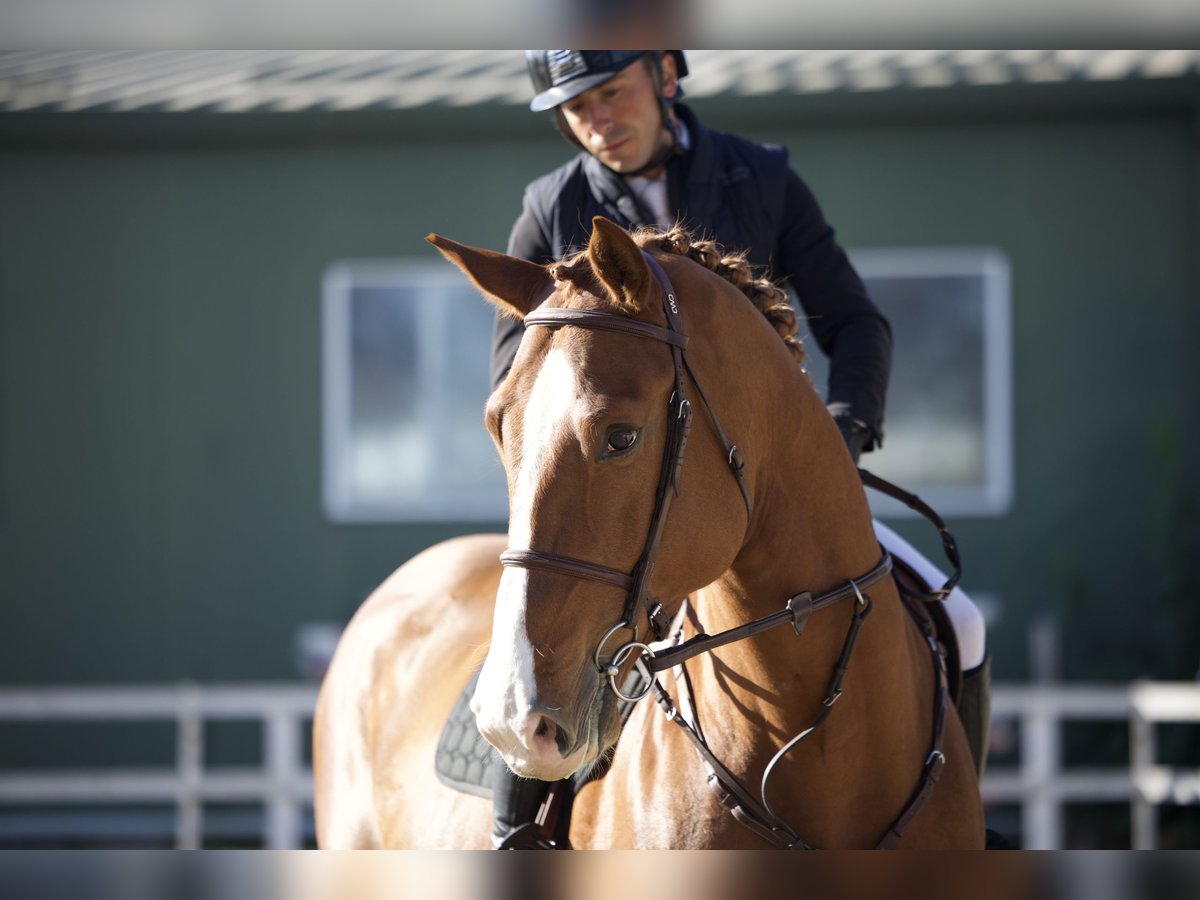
x: 744, y: 195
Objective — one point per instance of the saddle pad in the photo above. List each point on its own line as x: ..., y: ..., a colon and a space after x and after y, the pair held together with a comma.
x: 467, y: 762
x: 464, y: 760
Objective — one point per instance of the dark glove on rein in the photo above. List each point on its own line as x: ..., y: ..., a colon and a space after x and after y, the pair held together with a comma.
x: 856, y: 433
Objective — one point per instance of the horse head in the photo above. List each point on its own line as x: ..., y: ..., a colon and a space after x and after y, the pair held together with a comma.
x: 583, y: 424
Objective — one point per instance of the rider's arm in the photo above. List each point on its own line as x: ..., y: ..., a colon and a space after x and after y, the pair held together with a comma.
x: 847, y: 326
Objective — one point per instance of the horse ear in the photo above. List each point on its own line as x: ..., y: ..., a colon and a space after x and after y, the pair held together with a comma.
x: 618, y: 263
x: 515, y: 285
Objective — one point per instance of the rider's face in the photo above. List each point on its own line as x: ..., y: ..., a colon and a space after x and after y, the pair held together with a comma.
x: 620, y: 122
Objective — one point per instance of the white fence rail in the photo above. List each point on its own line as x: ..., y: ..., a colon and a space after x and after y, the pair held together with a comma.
x: 283, y: 785
x: 1041, y: 786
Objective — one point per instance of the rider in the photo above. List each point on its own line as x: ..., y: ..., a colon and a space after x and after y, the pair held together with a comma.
x: 646, y: 160
x: 649, y: 161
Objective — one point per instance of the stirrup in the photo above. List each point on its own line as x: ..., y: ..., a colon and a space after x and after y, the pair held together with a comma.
x: 524, y: 837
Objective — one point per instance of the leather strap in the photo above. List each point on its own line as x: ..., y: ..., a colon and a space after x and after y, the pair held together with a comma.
x: 729, y: 790
x: 531, y: 559
x: 601, y: 321
x: 636, y: 583
x: 796, y: 612
x: 934, y: 763
x: 679, y: 428
x: 915, y: 503
x: 758, y: 817
x: 733, y: 456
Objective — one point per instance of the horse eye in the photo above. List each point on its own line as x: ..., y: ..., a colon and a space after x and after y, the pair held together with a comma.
x: 621, y: 439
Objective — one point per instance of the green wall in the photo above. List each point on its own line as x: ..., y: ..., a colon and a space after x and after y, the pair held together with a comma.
x: 160, y: 356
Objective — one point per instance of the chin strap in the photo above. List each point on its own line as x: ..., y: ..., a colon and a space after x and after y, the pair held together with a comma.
x: 675, y: 148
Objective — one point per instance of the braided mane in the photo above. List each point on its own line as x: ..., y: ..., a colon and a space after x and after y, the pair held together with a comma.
x: 768, y: 298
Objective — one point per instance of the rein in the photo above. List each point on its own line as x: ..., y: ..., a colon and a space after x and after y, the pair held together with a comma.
x: 754, y: 814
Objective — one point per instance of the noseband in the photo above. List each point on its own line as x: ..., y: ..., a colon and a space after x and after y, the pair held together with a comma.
x: 679, y: 418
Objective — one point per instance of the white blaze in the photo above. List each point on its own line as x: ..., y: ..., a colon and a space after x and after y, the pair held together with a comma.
x: 506, y: 688
x: 546, y: 415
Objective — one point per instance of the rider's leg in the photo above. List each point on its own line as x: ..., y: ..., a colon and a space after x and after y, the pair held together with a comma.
x: 515, y: 803
x: 975, y: 710
x: 974, y: 702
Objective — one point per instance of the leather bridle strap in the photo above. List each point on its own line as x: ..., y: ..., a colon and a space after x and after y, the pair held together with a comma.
x: 679, y: 427
x: 679, y: 414
x: 795, y: 612
x: 733, y: 455
x: 758, y: 815
x: 531, y: 559
x: 602, y: 321
x: 760, y: 818
x: 915, y: 503
x: 935, y: 762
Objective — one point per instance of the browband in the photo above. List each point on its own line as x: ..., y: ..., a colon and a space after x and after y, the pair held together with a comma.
x: 602, y: 321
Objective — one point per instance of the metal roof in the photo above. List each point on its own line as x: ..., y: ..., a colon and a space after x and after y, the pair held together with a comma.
x: 290, y: 81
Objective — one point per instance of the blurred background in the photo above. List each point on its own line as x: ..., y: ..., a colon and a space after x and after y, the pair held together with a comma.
x: 237, y: 389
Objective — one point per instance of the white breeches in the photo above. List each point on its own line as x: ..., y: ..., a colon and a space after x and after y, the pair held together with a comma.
x: 969, y: 626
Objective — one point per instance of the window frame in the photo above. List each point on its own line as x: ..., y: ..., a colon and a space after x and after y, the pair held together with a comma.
x: 993, y: 497
x: 341, y: 504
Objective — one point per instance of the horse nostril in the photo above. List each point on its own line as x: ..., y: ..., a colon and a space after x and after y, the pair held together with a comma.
x: 548, y: 730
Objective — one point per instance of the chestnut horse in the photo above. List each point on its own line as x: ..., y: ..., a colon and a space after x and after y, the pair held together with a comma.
x: 762, y: 523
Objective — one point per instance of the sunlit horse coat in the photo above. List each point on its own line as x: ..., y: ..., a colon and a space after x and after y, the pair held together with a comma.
x: 743, y: 195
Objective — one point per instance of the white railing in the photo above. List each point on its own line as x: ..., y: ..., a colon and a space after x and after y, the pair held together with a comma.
x: 283, y: 785
x: 1041, y: 786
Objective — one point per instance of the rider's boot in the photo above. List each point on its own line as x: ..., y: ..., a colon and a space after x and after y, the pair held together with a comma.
x: 975, y: 710
x: 515, y: 804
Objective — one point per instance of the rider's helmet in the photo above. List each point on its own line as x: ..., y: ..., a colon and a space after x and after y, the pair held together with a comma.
x: 559, y: 75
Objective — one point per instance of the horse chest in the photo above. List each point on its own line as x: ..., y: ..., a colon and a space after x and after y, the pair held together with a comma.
x: 655, y: 796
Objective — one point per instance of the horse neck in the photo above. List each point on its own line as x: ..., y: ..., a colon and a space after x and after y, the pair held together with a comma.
x: 811, y: 529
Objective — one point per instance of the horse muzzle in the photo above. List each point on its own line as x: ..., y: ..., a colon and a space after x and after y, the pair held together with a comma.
x: 535, y: 740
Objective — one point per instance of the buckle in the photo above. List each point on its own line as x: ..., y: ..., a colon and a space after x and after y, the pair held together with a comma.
x: 801, y: 607
x: 736, y: 462
x: 934, y: 763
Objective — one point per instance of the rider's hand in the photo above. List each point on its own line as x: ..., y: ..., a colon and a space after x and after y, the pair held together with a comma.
x: 855, y: 432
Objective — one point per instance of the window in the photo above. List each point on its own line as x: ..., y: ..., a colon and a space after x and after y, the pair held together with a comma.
x: 406, y: 357
x: 948, y: 431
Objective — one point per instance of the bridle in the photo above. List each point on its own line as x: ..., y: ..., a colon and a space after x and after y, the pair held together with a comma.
x: 636, y: 584
x: 756, y: 815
